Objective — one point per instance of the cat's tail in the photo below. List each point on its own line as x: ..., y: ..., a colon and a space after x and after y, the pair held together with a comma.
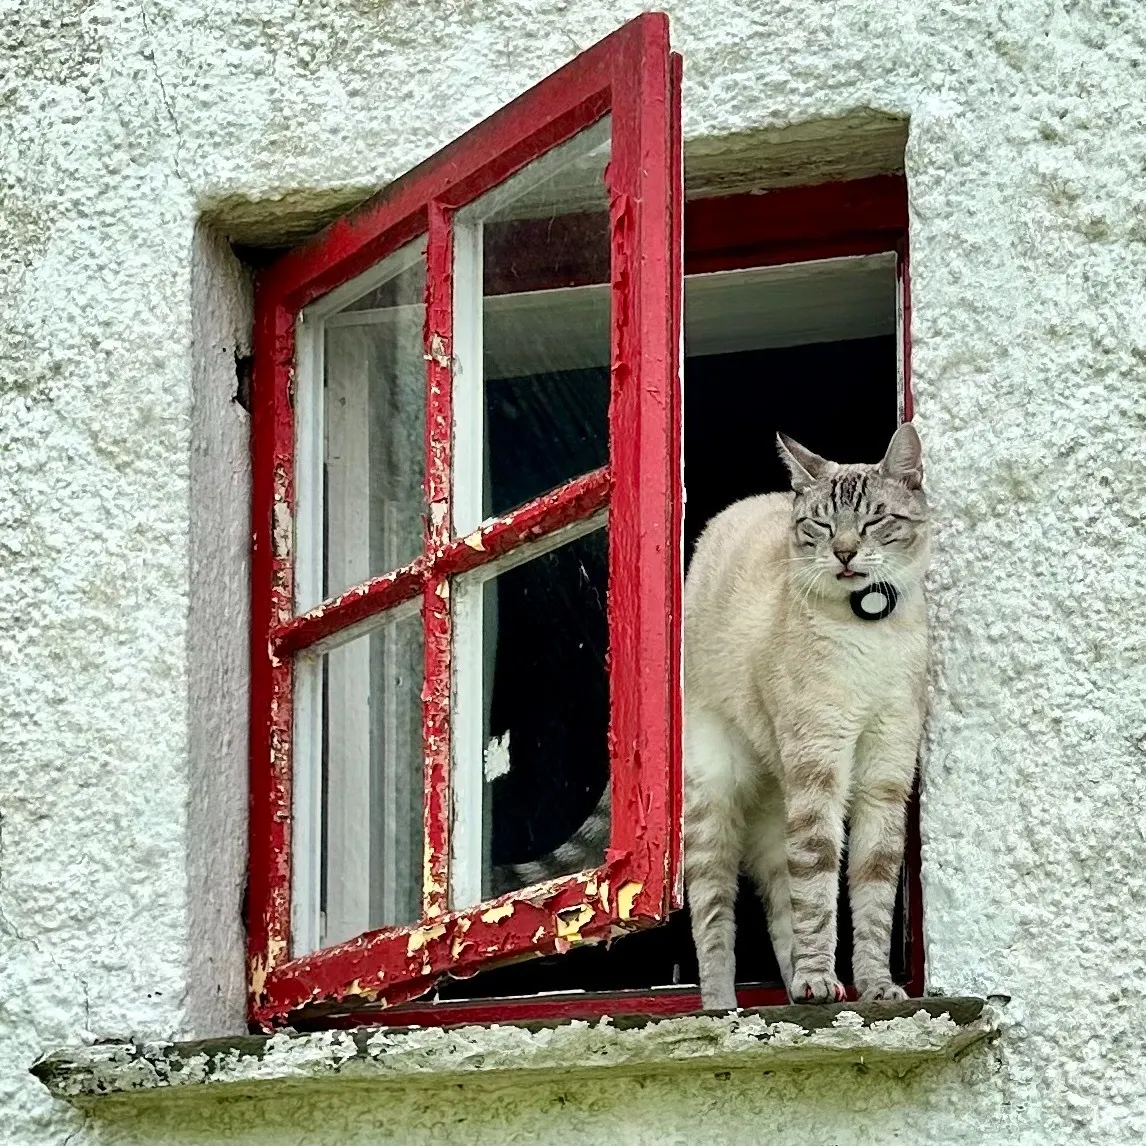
x: 585, y: 848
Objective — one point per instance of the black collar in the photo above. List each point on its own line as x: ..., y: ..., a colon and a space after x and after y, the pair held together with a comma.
x: 875, y: 601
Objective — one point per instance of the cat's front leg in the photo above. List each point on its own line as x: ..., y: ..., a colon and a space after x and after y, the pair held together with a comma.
x: 815, y: 786
x: 885, y: 767
x: 713, y: 842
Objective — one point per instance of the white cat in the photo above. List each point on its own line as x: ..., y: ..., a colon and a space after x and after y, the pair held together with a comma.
x: 805, y: 651
x: 805, y: 647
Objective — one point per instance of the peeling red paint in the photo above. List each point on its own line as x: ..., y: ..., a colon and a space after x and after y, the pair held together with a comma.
x: 629, y: 74
x: 674, y: 873
x: 436, y: 615
x: 402, y: 963
x: 566, y: 505
x: 272, y: 506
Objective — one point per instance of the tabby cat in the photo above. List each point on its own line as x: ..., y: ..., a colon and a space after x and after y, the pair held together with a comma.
x: 805, y: 649
x: 805, y: 646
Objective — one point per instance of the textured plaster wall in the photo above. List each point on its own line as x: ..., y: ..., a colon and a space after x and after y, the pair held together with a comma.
x: 123, y: 123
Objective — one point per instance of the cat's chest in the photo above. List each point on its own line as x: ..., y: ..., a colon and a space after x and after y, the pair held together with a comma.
x: 870, y: 658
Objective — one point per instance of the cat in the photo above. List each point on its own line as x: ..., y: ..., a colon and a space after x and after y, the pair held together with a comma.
x: 805, y: 652
x: 805, y: 648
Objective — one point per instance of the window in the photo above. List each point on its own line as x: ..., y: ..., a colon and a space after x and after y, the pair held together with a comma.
x: 467, y: 444
x: 469, y: 526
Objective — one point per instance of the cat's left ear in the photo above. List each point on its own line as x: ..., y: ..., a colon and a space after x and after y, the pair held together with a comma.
x: 805, y: 466
x: 903, y: 461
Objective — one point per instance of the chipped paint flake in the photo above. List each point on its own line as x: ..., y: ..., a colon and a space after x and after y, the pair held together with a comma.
x: 356, y: 989
x: 497, y: 914
x: 420, y: 936
x: 474, y: 541
x: 438, y: 354
x: 626, y: 893
x: 261, y: 966
x: 283, y: 531
x: 570, y: 920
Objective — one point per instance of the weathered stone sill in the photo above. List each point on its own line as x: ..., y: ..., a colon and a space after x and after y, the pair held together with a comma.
x: 896, y: 1035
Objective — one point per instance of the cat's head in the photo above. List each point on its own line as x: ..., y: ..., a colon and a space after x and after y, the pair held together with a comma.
x: 853, y: 525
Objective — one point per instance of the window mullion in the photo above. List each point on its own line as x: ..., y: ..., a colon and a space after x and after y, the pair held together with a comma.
x: 436, y: 593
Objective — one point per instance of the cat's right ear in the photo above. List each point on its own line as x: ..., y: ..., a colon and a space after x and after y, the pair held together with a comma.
x: 805, y: 467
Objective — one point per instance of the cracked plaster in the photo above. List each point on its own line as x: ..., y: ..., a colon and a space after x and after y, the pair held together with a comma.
x: 895, y: 1036
x: 123, y: 123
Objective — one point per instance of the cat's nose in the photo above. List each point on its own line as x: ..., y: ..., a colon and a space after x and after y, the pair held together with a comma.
x: 844, y: 555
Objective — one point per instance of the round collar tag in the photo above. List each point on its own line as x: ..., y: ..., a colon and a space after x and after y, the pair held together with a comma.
x: 875, y: 601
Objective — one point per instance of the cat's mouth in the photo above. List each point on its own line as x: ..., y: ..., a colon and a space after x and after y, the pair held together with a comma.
x: 848, y: 574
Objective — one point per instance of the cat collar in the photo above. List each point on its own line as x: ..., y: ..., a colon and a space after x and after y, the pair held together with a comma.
x: 875, y: 601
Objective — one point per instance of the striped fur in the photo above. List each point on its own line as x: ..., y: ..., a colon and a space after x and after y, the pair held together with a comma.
x: 585, y: 848
x: 799, y: 715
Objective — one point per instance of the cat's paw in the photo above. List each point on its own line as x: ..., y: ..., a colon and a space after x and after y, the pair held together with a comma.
x: 817, y: 987
x: 719, y: 1001
x: 883, y: 990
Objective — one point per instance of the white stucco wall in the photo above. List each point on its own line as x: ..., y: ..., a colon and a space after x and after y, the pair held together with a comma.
x: 122, y: 123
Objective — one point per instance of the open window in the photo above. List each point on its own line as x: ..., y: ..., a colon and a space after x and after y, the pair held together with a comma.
x: 470, y: 532
x: 467, y: 452
x: 795, y: 319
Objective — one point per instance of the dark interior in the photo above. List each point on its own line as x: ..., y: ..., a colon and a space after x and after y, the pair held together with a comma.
x: 549, y: 683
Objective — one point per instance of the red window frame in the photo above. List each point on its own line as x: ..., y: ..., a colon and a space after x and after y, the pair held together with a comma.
x: 788, y: 225
x: 632, y: 76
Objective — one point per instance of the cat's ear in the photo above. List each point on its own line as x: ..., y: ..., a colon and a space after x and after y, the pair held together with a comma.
x: 903, y: 461
x: 805, y: 467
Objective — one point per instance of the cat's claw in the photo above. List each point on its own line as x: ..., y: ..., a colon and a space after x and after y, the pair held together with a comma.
x: 817, y: 988
x: 885, y: 991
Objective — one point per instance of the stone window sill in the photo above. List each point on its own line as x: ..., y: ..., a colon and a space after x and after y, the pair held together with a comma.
x: 895, y: 1035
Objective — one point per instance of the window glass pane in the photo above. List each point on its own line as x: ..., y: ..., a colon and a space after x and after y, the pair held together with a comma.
x: 531, y: 333
x: 372, y: 779
x: 531, y: 717
x: 374, y: 417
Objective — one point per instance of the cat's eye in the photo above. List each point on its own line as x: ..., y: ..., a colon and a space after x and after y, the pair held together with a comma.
x: 883, y: 523
x: 810, y: 532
